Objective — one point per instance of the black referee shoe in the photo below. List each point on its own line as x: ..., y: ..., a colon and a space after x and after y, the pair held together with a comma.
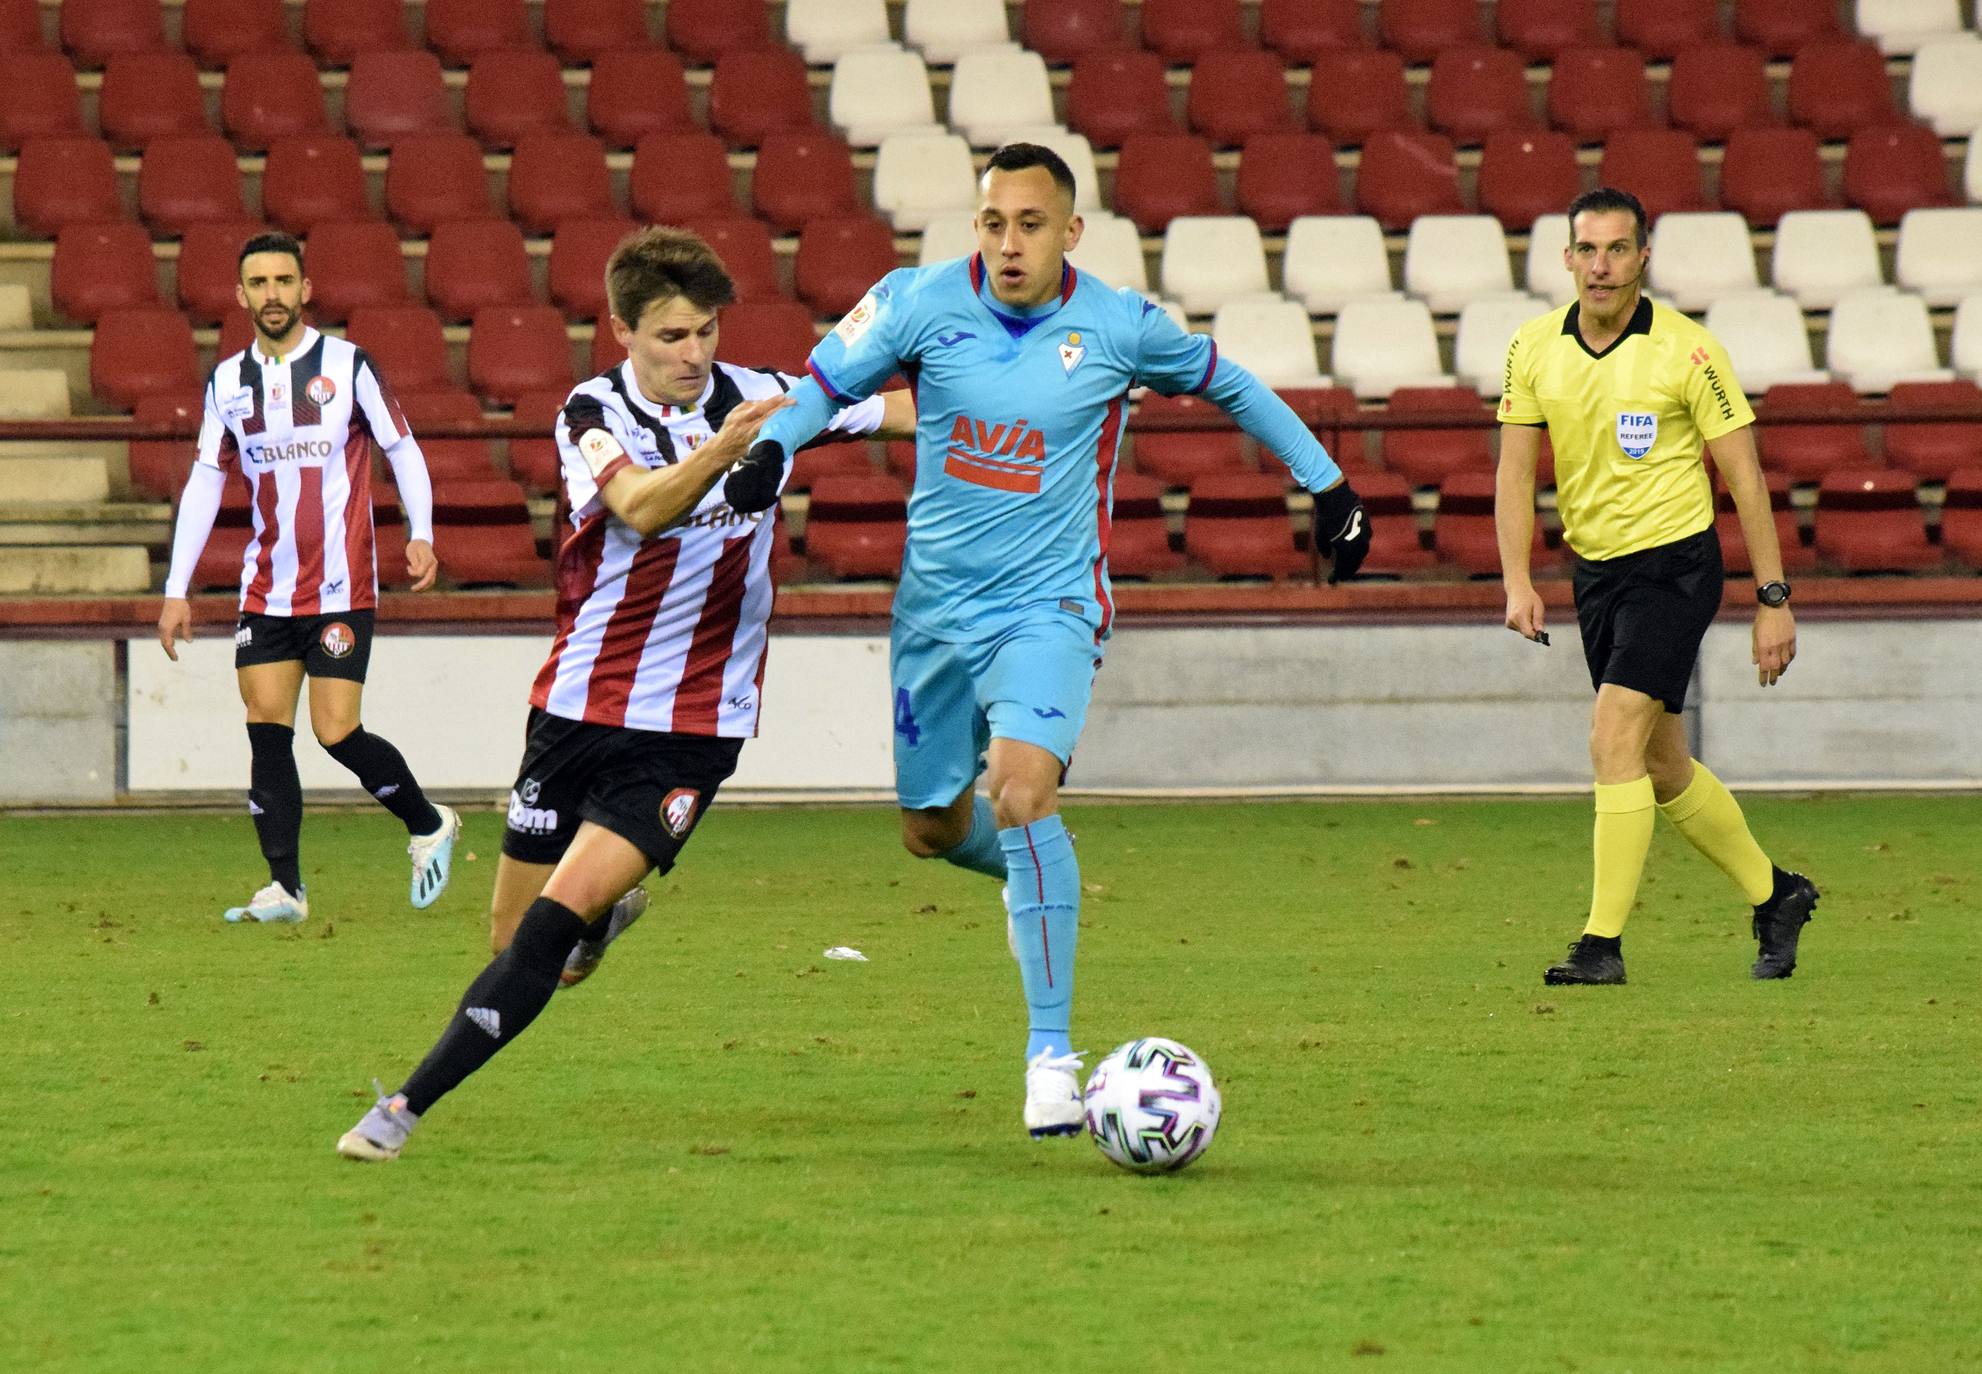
x: 1779, y: 924
x: 1592, y: 959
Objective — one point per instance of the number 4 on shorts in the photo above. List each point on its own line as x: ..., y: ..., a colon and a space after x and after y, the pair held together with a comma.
x: 905, y: 725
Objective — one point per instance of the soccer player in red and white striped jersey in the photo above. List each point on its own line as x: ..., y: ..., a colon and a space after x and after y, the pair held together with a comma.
x: 301, y: 416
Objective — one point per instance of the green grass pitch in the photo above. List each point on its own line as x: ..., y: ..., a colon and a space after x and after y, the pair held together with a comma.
x: 726, y: 1152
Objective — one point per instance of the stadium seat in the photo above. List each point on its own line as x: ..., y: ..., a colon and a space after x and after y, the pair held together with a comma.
x: 1894, y: 168
x: 706, y: 31
x: 64, y: 180
x: 1284, y: 176
x: 513, y: 94
x: 1944, y: 88
x: 1699, y: 256
x: 1159, y: 177
x: 744, y: 245
x: 1179, y: 456
x: 158, y: 467
x: 271, y: 95
x: 1064, y: 31
x: 1765, y: 338
x: 99, y: 267
x: 1527, y: 173
x: 219, y: 565
x: 1662, y: 28
x: 1077, y: 153
x: 556, y: 177
x: 1211, y: 259
x: 1541, y: 30
x: 681, y: 174
x: 827, y: 460
x: 1965, y: 348
x: 338, y: 30
x: 480, y: 501
x: 38, y: 99
x: 1113, y: 94
x: 1271, y: 338
x: 407, y: 343
x: 1805, y: 451
x: 353, y: 264
x: 1237, y: 94
x: 1451, y: 259
x: 1354, y: 93
x: 394, y: 93
x: 944, y: 30
x: 462, y: 30
x: 1796, y: 555
x: 1594, y: 92
x: 482, y: 555
x: 1661, y: 166
x: 1879, y: 336
x: 1869, y: 520
x: 1821, y: 254
x: 1406, y: 173
x: 1971, y: 171
x: 208, y: 270
x: 1381, y: 345
x: 1934, y: 449
x: 147, y: 95
x: 94, y: 31
x: 994, y: 91
x: 1333, y: 259
x: 824, y: 31
x: 1184, y: 32
x: 1237, y: 525
x: 1782, y: 27
x: 1961, y: 516
x: 309, y: 178
x: 188, y: 179
x: 1717, y: 88
x: 856, y: 527
x: 918, y: 176
x: 802, y: 175
x: 876, y: 91
x: 1138, y: 530
x: 953, y: 234
x: 142, y: 350
x: 517, y: 349
x: 433, y: 178
x: 1396, y: 548
x: 1486, y: 326
x: 839, y: 258
x: 450, y: 461
x: 581, y: 32
x: 216, y: 32
x: 1837, y: 86
x: 1766, y: 174
x: 1109, y: 248
x: 476, y: 264
x: 756, y: 90
x: 1421, y: 29
x: 1903, y: 26
x: 768, y: 334
x: 1475, y: 91
x: 237, y: 331
x: 1301, y: 30
x: 1938, y: 253
x: 633, y: 94
x: 1427, y: 457
x: 20, y: 26
x: 1544, y: 273
x: 534, y: 461
x: 580, y: 250
x: 1462, y: 528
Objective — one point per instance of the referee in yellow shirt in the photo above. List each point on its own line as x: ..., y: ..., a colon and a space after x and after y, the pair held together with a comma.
x: 1630, y: 391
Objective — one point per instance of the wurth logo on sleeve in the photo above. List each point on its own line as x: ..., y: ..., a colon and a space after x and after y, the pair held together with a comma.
x: 1008, y: 456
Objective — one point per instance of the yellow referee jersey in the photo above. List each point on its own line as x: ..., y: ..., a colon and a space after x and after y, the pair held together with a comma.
x: 1627, y: 424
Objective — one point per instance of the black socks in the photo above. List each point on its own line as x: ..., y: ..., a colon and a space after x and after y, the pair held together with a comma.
x: 275, y: 800
x: 383, y: 773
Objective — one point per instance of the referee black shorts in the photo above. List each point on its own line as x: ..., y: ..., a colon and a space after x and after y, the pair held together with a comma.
x: 649, y: 787
x: 1643, y: 615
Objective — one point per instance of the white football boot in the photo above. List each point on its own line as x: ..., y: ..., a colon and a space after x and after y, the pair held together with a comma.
x: 433, y: 857
x: 585, y: 955
x: 1052, y: 1095
x: 381, y: 1133
x: 273, y: 903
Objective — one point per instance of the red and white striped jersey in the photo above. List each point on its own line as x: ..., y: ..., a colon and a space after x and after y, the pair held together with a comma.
x: 665, y: 632
x: 303, y: 430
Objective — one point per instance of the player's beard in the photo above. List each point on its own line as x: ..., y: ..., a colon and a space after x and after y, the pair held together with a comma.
x: 283, y: 314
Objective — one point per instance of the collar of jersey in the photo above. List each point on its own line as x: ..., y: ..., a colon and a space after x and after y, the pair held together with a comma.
x: 1639, y: 323
x: 660, y: 410
x: 270, y: 360
x: 1020, y: 320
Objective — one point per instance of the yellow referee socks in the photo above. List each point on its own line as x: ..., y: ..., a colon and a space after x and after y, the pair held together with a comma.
x: 1707, y: 814
x: 1624, y: 835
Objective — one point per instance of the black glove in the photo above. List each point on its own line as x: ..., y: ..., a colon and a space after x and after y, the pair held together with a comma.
x: 1341, y: 526
x: 752, y: 485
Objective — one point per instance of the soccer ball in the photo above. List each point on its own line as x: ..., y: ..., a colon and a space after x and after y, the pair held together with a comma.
x: 1151, y: 1106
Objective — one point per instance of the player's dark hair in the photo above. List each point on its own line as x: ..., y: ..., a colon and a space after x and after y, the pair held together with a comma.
x: 659, y: 263
x: 1610, y: 198
x: 271, y: 242
x: 1016, y: 157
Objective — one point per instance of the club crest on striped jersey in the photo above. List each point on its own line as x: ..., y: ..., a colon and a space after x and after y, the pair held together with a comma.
x: 678, y: 811
x: 1072, y: 351
x: 321, y: 390
x: 1006, y: 455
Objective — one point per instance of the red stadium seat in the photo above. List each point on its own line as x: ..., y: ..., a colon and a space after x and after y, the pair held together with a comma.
x: 68, y: 180
x: 1805, y: 452
x: 1396, y: 547
x: 703, y: 31
x: 158, y: 467
x: 839, y: 258
x: 1355, y: 92
x: 236, y: 333
x: 188, y: 179
x: 1421, y: 29
x: 271, y: 95
x: 681, y: 175
x: 1427, y: 457
x: 1797, y: 556
x: 1161, y: 176
x: 1527, y: 174
x: 407, y: 344
x: 1406, y: 173
x: 1894, y: 168
x: 38, y: 99
x: 898, y: 457
x: 828, y: 460
x: 1717, y: 88
x: 1138, y: 530
x: 314, y: 177
x: 99, y: 267
x: 1462, y: 529
x: 433, y: 178
x: 473, y: 264
x: 1542, y: 29
x: 354, y: 264
x: 338, y: 30
x: 1961, y: 516
x: 1114, y: 94
x: 1660, y: 28
x: 1869, y: 520
x: 1659, y: 166
x: 1782, y: 27
x: 1179, y: 457
x: 534, y: 461
x: 449, y: 461
x: 755, y: 92
x: 219, y: 566
x: 216, y: 32
x: 801, y: 175
x: 1766, y: 173
x: 1594, y: 92
x: 20, y: 26
x: 1301, y: 30
x: 1838, y: 86
x: 514, y: 94
x: 767, y: 334
x: 634, y: 94
x: 394, y: 93
x: 1237, y: 525
x: 1064, y: 31
x: 1237, y: 94
x: 140, y: 351
x: 480, y: 501
x: 856, y: 527
x: 94, y: 31
x: 148, y: 95
x: 744, y: 245
x: 1286, y: 175
x: 580, y: 32
x: 1475, y: 91
x: 556, y: 177
x: 606, y: 352
x: 462, y: 30
x: 1183, y: 31
x: 513, y: 350
x: 209, y: 269
x: 1932, y: 450
x: 482, y: 555
x: 580, y: 250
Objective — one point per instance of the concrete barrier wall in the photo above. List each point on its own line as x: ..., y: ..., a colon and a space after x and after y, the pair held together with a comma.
x: 60, y: 712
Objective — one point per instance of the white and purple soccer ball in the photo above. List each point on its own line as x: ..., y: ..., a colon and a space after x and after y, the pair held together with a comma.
x: 1152, y: 1106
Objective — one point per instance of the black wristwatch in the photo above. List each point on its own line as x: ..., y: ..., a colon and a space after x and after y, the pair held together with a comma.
x: 1772, y: 593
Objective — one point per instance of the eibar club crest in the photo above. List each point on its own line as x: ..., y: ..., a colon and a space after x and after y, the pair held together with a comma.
x: 1637, y: 431
x: 1072, y: 351
x: 678, y: 811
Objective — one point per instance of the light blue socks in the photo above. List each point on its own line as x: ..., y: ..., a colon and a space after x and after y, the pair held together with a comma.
x: 980, y: 851
x: 1043, y: 880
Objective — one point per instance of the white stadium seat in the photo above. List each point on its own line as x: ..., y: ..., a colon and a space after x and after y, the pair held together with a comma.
x: 1945, y: 88
x: 1821, y: 254
x: 1111, y: 249
x: 944, y: 30
x: 1075, y: 151
x: 950, y: 234
x: 1333, y: 259
x: 996, y: 90
x: 1966, y: 348
x: 918, y: 176
x: 1971, y: 171
x: 1765, y: 338
x: 879, y: 91
x: 1271, y: 337
x: 1381, y: 345
x: 1545, y: 274
x: 1940, y: 253
x: 1210, y: 259
x: 1486, y: 326
x: 1452, y: 259
x: 1700, y: 256
x: 1900, y: 26
x: 824, y: 31
x: 1879, y: 336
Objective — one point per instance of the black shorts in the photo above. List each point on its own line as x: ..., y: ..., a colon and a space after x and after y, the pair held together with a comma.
x: 335, y: 645
x: 1643, y: 615
x: 648, y: 787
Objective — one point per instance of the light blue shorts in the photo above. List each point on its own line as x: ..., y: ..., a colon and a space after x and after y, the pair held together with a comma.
x: 1029, y: 683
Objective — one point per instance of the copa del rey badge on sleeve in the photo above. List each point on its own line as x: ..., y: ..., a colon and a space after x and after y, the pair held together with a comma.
x: 1637, y: 431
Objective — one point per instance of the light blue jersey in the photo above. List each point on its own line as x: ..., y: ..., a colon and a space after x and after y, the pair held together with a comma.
x: 1020, y: 417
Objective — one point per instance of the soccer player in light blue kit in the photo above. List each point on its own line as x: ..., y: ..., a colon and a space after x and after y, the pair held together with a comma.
x: 1021, y: 368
